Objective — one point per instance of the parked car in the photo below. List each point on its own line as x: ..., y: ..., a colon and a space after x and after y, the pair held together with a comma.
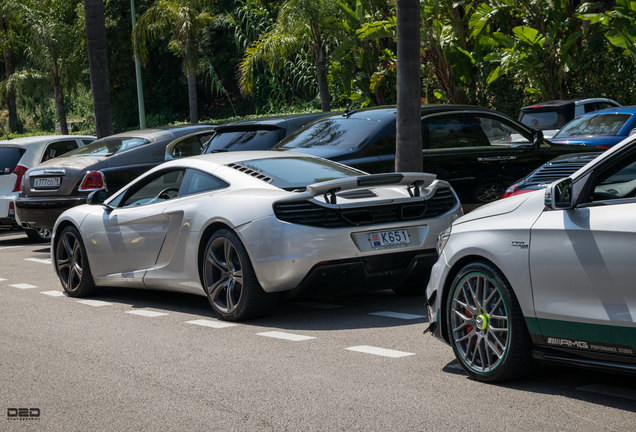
x: 549, y: 172
x: 551, y: 116
x: 544, y: 276
x: 602, y: 129
x: 16, y: 157
x: 257, y: 134
x: 108, y: 163
x: 243, y: 227
x: 467, y: 146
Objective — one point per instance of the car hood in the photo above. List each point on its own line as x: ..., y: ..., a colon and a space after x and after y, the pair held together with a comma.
x: 496, y: 208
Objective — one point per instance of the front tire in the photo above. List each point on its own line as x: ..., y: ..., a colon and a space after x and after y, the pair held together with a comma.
x: 230, y: 282
x: 486, y: 327
x: 72, y: 265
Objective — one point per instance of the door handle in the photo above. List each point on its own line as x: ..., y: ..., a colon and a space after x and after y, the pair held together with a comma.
x: 496, y: 158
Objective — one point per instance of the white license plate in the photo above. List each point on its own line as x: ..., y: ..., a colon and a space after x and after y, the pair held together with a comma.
x: 387, y: 239
x: 46, y: 182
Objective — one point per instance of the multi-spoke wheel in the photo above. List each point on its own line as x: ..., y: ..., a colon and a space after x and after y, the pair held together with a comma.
x: 72, y: 264
x: 40, y: 235
x: 230, y: 282
x: 489, y: 192
x: 486, y: 327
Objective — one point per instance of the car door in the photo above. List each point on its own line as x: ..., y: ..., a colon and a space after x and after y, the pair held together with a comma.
x: 124, y: 241
x: 582, y: 265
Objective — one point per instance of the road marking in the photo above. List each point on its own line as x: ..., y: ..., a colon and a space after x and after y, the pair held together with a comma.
x: 209, y: 323
x: 286, y: 336
x: 380, y: 351
x: 609, y: 391
x: 317, y: 305
x: 2, y: 279
x: 146, y: 313
x: 13, y: 247
x: 398, y: 315
x: 94, y: 303
x: 38, y: 260
x: 54, y: 293
x: 23, y: 286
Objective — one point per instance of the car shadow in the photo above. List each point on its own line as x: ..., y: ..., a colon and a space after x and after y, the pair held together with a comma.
x: 14, y: 238
x: 334, y: 313
x: 596, y: 387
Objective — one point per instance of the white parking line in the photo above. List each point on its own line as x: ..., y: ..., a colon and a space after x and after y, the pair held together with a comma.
x: 23, y: 286
x: 397, y: 315
x: 94, y: 303
x: 317, y: 305
x: 38, y: 260
x: 146, y: 313
x: 13, y: 247
x: 54, y: 293
x: 286, y: 336
x: 609, y: 391
x: 209, y: 323
x: 380, y: 351
x: 2, y: 279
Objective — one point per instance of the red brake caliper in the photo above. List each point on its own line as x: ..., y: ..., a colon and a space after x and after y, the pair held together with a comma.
x: 469, y: 328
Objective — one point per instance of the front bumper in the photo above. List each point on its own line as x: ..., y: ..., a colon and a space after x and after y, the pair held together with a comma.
x: 43, y: 212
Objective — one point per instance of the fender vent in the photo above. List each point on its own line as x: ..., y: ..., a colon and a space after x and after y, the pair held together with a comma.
x: 251, y: 172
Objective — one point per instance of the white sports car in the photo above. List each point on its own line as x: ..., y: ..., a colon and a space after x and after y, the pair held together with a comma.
x: 544, y: 276
x: 243, y: 227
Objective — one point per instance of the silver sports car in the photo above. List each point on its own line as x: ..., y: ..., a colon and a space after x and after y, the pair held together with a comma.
x: 243, y: 227
x: 547, y: 275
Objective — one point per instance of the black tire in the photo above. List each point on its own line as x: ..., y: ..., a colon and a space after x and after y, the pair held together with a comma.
x: 230, y: 282
x: 486, y: 327
x: 39, y: 235
x: 71, y: 264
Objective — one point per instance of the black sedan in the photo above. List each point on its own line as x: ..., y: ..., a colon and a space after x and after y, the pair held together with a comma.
x: 479, y: 151
x: 106, y: 164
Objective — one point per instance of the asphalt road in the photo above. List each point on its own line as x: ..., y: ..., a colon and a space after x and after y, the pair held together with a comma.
x: 354, y: 363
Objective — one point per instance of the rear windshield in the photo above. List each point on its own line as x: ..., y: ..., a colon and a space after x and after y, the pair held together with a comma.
x: 333, y: 132
x: 538, y: 119
x: 107, y: 147
x: 9, y: 158
x: 244, y: 140
x: 599, y: 124
x: 298, y: 173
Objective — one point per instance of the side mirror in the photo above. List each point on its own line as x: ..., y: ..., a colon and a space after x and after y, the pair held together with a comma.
x: 97, y: 197
x: 559, y: 195
x: 537, y: 139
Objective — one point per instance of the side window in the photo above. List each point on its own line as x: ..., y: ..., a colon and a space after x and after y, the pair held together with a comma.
x: 197, y: 181
x: 499, y: 133
x: 598, y: 106
x: 449, y: 131
x: 87, y: 141
x: 162, y: 187
x: 617, y: 182
x: 58, y: 148
x: 190, y: 146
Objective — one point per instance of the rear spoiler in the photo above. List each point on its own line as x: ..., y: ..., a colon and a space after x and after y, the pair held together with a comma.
x: 414, y: 181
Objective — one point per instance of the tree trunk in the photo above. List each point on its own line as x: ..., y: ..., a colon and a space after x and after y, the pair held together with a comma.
x: 323, y: 86
x: 192, y: 96
x: 408, y: 154
x: 8, y: 67
x: 98, y: 65
x: 58, y: 90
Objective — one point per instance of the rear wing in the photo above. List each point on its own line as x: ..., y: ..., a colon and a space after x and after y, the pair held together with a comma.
x: 414, y: 182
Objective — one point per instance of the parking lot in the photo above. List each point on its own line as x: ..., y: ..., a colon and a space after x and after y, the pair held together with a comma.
x: 149, y: 360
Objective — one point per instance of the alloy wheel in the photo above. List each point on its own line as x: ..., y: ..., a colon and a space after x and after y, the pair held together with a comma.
x: 490, y: 192
x: 69, y: 261
x: 224, y: 275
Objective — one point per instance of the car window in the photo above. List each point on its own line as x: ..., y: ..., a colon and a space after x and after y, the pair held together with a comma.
x: 536, y: 119
x: 190, y: 146
x: 9, y: 158
x: 449, y: 131
x: 595, y: 124
x: 58, y: 148
x: 87, y: 141
x: 590, y: 107
x: 617, y: 182
x: 158, y: 188
x: 351, y: 133
x: 108, y: 146
x: 244, y: 140
x: 196, y: 181
x: 499, y: 133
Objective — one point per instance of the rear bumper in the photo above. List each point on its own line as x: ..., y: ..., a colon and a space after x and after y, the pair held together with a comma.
x: 43, y: 212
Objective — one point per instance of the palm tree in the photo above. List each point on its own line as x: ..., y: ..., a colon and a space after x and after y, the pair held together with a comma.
x: 98, y: 65
x: 298, y: 21
x: 8, y: 67
x: 184, y: 20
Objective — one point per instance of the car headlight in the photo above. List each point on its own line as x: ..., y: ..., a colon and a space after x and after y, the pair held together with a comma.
x: 442, y: 238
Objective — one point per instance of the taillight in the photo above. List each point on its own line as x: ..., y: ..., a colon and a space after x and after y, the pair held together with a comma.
x: 93, y: 180
x: 514, y: 190
x: 19, y: 171
x: 11, y: 209
x: 602, y: 146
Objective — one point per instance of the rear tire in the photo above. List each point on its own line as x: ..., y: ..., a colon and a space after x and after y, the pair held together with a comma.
x: 230, y: 282
x: 39, y: 235
x: 71, y: 264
